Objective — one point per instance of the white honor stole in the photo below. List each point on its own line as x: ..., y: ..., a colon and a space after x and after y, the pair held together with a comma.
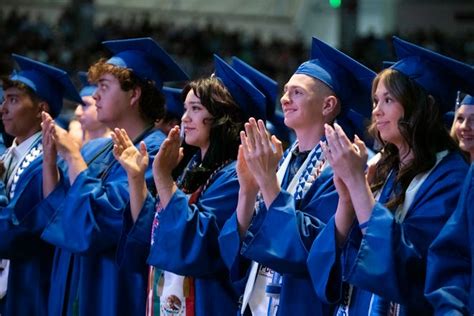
x: 259, y: 277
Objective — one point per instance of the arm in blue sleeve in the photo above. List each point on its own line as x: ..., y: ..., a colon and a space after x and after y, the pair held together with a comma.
x: 186, y: 239
x: 394, y: 253
x: 324, y: 265
x: 21, y: 219
x: 134, y: 245
x: 283, y: 240
x: 229, y: 245
x: 90, y: 218
x: 448, y: 280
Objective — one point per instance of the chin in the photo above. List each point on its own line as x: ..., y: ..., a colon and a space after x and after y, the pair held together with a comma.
x: 290, y: 123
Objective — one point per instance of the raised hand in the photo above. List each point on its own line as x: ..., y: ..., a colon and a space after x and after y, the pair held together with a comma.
x: 64, y: 144
x: 168, y: 157
x: 134, y: 161
x: 247, y: 193
x: 247, y: 182
x: 347, y: 159
x: 48, y: 141
x: 50, y: 170
x: 262, y: 154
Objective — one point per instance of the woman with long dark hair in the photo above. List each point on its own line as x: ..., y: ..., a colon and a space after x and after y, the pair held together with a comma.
x: 187, y: 275
x: 378, y: 265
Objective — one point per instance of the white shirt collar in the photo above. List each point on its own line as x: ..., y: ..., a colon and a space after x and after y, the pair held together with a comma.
x: 22, y: 149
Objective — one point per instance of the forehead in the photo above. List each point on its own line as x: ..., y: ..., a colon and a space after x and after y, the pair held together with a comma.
x: 301, y: 80
x: 107, y: 77
x: 466, y: 109
x: 381, y: 88
x: 14, y: 91
x: 192, y: 97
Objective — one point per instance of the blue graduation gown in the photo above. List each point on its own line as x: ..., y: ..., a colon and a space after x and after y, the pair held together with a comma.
x: 185, y: 241
x: 450, y: 276
x: 280, y: 238
x: 390, y: 259
x: 85, y: 222
x: 30, y: 257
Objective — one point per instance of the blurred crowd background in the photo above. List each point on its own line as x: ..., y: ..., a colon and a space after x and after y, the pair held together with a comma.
x: 73, y: 45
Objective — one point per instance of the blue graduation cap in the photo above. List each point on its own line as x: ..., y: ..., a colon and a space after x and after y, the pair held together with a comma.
x: 269, y: 87
x: 468, y: 100
x: 174, y: 102
x: 387, y: 64
x: 265, y: 84
x: 49, y: 83
x: 245, y: 94
x: 439, y: 75
x: 350, y: 80
x: 146, y: 59
x: 87, y: 88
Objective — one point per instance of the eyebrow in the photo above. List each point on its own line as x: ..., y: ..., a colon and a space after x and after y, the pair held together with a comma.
x: 293, y: 86
x: 12, y: 94
x: 194, y: 102
x: 103, y: 80
x: 383, y: 94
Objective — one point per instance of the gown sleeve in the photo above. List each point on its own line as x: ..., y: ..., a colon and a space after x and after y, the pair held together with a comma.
x: 185, y: 241
x: 284, y: 233
x: 394, y: 253
x: 449, y: 269
x: 89, y: 218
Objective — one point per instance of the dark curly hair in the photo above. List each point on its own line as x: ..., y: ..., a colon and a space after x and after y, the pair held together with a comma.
x: 152, y: 101
x: 421, y: 127
x: 226, y: 123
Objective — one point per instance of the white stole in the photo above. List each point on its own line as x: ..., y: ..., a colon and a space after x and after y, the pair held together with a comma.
x: 251, y: 281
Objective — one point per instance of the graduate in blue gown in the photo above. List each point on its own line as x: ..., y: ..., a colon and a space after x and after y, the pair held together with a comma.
x: 34, y: 88
x: 179, y: 231
x: 85, y: 125
x: 450, y: 277
x: 266, y: 246
x: 88, y: 197
x: 371, y: 257
x: 462, y: 129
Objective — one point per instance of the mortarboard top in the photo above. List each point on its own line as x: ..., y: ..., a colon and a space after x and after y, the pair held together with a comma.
x: 387, y: 64
x: 265, y: 84
x: 350, y: 80
x: 146, y: 59
x: 87, y: 88
x: 439, y: 75
x: 174, y: 102
x: 245, y: 94
x: 49, y: 83
x: 468, y: 100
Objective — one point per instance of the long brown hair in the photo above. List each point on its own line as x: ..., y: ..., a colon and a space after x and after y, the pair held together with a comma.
x: 226, y: 124
x: 421, y: 127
